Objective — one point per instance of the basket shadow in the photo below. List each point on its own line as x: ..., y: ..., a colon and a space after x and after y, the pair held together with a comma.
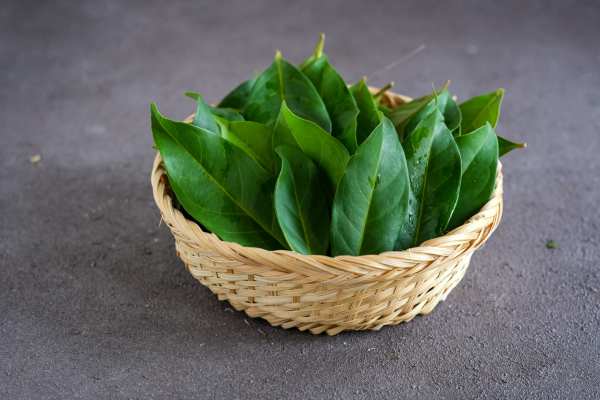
x: 111, y: 273
x: 112, y: 277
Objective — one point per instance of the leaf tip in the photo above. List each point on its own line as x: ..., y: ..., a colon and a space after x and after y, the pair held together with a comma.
x: 500, y: 92
x: 435, y: 92
x: 193, y: 95
x: 278, y: 55
x: 320, y: 46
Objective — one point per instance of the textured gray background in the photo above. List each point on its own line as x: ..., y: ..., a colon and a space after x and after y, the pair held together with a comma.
x: 95, y: 304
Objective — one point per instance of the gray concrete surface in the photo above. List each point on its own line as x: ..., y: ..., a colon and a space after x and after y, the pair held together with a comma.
x: 94, y: 304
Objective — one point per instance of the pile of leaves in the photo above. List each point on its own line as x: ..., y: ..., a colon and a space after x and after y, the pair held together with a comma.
x: 297, y: 159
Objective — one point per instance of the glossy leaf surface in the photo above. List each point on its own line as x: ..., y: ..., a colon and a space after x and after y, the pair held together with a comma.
x: 338, y: 100
x: 203, y: 117
x: 453, y: 116
x: 479, y: 160
x: 439, y: 102
x: 408, y: 115
x: 325, y: 150
x: 302, y: 202
x: 434, y: 168
x: 218, y: 184
x: 401, y: 114
x: 255, y: 139
x: 369, y: 116
x: 284, y: 82
x: 486, y: 108
x: 481, y: 109
x: 236, y: 99
x: 371, y: 201
x: 228, y: 114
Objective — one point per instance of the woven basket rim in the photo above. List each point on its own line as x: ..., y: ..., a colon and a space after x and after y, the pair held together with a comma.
x: 164, y: 201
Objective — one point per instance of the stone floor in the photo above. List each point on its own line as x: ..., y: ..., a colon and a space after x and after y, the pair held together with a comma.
x: 94, y: 302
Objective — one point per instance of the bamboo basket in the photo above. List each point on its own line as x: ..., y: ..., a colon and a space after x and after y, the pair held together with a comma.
x: 328, y: 294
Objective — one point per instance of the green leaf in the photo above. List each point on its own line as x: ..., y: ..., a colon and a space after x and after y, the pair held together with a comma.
x: 325, y: 150
x: 203, y: 118
x: 302, y: 202
x: 338, y: 100
x: 434, y: 168
x: 438, y: 102
x: 228, y: 114
x: 218, y: 184
x: 408, y: 115
x: 479, y: 159
x: 236, y: 99
x: 284, y: 82
x: 213, y: 119
x: 486, y: 108
x: 452, y: 116
x: 506, y: 145
x: 481, y: 109
x: 371, y: 201
x: 255, y: 139
x: 369, y: 116
x: 401, y: 114
x: 386, y: 110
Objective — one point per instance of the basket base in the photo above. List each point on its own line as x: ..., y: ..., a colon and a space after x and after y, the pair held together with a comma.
x: 376, y: 309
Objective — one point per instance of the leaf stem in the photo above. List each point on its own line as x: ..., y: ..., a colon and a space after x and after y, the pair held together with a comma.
x: 382, y: 91
x: 318, y: 52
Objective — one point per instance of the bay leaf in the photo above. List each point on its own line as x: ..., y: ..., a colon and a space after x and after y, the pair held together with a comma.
x: 434, y: 168
x: 452, y: 116
x: 439, y: 102
x: 284, y: 82
x: 302, y: 202
x: 369, y: 116
x: 338, y: 100
x: 486, y: 108
x: 408, y: 115
x: 228, y: 114
x: 255, y: 139
x: 481, y: 109
x: 218, y: 184
x: 236, y: 99
x: 371, y: 200
x: 203, y: 117
x: 479, y: 160
x: 325, y: 150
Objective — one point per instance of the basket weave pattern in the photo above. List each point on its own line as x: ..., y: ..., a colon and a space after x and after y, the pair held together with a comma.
x: 327, y: 294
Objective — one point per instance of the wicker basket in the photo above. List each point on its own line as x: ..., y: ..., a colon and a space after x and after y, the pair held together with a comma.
x: 328, y: 294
